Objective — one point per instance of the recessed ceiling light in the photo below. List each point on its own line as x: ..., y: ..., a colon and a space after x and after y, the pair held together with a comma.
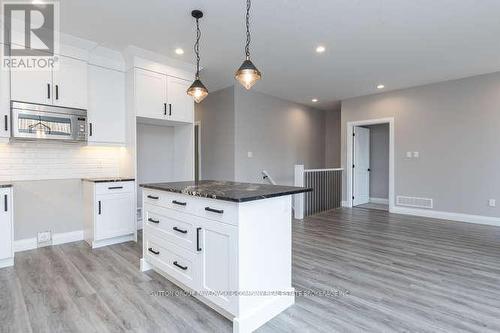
x: 380, y: 86
x: 314, y: 100
x: 320, y: 49
x: 179, y: 51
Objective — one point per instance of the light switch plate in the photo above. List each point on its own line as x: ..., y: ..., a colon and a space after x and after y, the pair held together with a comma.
x: 250, y: 154
x: 416, y: 154
x: 492, y: 203
x: 409, y: 154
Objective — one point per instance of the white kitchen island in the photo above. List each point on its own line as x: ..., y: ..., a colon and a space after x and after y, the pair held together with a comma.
x: 229, y: 243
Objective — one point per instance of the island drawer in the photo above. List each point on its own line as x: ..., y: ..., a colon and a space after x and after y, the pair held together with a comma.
x: 173, y: 260
x: 173, y: 226
x: 114, y: 188
x: 213, y: 209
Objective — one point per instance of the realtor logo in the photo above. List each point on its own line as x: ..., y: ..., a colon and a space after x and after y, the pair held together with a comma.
x: 30, y: 34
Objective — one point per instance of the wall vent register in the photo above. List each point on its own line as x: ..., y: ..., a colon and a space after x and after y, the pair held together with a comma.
x: 414, y: 202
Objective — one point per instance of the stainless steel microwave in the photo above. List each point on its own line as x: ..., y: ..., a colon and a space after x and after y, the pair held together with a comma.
x: 45, y: 122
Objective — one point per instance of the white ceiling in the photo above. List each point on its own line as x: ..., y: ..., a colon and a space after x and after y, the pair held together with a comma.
x: 399, y: 43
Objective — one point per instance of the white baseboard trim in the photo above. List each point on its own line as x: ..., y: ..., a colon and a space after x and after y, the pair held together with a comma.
x: 57, y: 239
x: 382, y: 201
x: 467, y: 218
x: 345, y: 204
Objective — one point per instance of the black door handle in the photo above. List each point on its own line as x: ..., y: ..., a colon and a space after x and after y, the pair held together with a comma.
x: 180, y: 230
x: 57, y: 91
x: 208, y: 209
x: 169, y: 109
x: 48, y: 90
x: 181, y: 267
x: 179, y: 203
x: 99, y: 203
x: 198, y: 248
x: 115, y: 188
x: 165, y: 109
x: 6, y: 203
x: 153, y: 197
x: 6, y: 122
x: 369, y: 169
x: 153, y: 251
x: 154, y: 221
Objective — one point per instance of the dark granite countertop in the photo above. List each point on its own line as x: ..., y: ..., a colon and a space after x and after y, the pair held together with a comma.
x: 5, y: 185
x: 108, y: 180
x: 226, y: 190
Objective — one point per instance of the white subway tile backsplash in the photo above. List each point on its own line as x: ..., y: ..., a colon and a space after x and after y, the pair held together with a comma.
x: 54, y: 160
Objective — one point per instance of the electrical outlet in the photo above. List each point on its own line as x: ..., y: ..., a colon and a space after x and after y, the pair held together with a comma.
x: 250, y: 154
x: 409, y: 154
x: 416, y: 154
x: 492, y: 203
x: 44, y: 238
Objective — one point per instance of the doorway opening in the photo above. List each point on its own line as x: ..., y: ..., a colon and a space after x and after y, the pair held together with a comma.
x: 370, y: 152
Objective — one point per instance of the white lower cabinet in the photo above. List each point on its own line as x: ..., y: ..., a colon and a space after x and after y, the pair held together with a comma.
x: 109, y: 213
x: 6, y: 227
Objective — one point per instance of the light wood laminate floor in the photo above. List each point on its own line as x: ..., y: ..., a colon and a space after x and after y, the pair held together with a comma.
x: 400, y: 274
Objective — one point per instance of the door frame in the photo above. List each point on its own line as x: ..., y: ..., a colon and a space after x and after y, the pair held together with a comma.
x: 350, y: 157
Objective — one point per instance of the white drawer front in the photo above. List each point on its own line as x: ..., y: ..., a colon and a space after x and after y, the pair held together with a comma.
x: 177, y: 228
x: 114, y: 187
x: 180, y: 263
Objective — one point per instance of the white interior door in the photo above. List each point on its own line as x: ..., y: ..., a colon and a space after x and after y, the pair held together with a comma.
x: 361, y: 172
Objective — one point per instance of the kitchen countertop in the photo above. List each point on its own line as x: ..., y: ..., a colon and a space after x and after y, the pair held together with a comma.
x: 108, y: 180
x: 5, y: 185
x: 227, y: 190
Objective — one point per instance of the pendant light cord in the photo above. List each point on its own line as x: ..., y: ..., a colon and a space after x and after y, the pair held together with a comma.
x: 197, y: 49
x: 247, y: 46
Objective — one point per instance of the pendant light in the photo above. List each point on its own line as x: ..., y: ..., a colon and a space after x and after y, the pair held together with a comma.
x: 248, y: 74
x: 197, y: 90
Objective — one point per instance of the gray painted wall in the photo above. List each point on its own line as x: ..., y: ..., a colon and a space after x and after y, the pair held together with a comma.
x: 454, y: 125
x: 216, y: 115
x: 379, y: 161
x: 279, y: 133
x: 47, y: 205
x: 332, y: 137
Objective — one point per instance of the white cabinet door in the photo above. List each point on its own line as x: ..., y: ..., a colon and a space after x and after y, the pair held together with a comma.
x: 114, y: 216
x: 5, y: 224
x: 180, y: 104
x: 31, y: 86
x: 218, y: 246
x: 106, y: 112
x: 150, y: 94
x: 4, y: 106
x: 70, y: 83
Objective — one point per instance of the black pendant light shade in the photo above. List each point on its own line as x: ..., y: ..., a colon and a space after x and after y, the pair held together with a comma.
x: 248, y: 74
x: 197, y: 90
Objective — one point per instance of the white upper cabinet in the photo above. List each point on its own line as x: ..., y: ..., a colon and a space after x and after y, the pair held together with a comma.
x: 150, y: 94
x: 180, y: 104
x: 31, y: 87
x: 70, y: 83
x: 63, y: 86
x: 160, y: 96
x: 106, y: 109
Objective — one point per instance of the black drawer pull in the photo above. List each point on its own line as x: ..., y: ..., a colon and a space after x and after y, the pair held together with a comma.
x: 154, y: 221
x: 181, y: 267
x: 180, y: 230
x: 198, y: 248
x: 6, y: 203
x: 175, y: 202
x: 218, y: 211
x: 115, y: 188
x: 153, y: 197
x: 153, y: 251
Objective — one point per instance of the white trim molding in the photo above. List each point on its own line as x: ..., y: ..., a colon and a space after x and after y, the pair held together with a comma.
x: 381, y: 201
x: 57, y: 239
x: 349, y: 160
x: 458, y: 217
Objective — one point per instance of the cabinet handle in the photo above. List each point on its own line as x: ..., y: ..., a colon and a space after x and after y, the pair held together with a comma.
x: 181, y: 267
x: 6, y: 118
x: 6, y: 203
x: 115, y: 188
x: 165, y: 109
x: 208, y: 209
x: 57, y: 91
x: 90, y: 129
x: 180, y: 230
x: 153, y: 197
x: 198, y: 248
x: 99, y: 204
x: 169, y: 109
x: 153, y: 221
x: 153, y: 251
x: 48, y: 90
x: 179, y: 203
